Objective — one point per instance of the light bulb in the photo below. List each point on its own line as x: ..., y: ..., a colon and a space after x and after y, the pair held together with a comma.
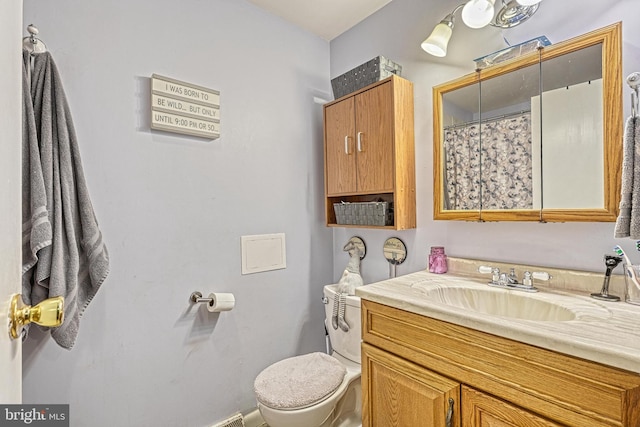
x: 528, y: 2
x: 436, y: 43
x: 478, y: 13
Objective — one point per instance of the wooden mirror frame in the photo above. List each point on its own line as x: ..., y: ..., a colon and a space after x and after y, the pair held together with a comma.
x: 611, y: 39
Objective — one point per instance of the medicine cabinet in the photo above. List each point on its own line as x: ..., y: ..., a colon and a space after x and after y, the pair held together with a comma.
x: 537, y: 138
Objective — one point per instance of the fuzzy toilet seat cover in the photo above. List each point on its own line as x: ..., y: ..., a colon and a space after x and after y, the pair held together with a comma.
x: 300, y: 381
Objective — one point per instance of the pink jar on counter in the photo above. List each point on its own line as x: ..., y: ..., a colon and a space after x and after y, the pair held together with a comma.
x: 437, y: 260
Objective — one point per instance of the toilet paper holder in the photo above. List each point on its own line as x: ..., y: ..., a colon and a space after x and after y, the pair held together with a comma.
x: 216, y: 301
x: 196, y: 297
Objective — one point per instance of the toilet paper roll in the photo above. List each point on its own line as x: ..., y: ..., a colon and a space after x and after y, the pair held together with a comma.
x: 221, y: 302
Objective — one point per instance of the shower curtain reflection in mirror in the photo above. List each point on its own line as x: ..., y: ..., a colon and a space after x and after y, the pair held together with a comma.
x: 488, y: 165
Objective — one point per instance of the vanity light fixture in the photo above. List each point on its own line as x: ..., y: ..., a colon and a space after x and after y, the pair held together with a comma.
x: 528, y: 2
x: 436, y: 43
x: 515, y: 12
x: 479, y: 14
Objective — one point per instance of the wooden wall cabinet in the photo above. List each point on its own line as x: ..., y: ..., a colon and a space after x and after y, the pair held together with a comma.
x: 415, y: 363
x: 369, y: 150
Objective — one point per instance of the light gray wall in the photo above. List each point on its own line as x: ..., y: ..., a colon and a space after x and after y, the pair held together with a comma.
x: 172, y: 208
x: 396, y: 32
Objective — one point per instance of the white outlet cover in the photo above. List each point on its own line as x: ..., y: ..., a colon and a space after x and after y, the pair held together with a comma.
x: 263, y: 252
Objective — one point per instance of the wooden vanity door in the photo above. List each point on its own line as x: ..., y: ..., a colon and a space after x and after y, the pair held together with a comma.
x: 398, y: 393
x: 482, y: 410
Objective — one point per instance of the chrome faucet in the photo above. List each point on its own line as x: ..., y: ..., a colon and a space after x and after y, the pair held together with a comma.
x: 510, y: 281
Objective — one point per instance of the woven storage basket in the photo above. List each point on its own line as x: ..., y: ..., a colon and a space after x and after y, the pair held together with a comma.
x: 363, y: 213
x: 376, y: 69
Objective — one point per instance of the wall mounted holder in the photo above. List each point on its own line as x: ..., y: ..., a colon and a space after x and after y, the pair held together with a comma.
x: 216, y: 302
x: 395, y: 251
x: 359, y: 243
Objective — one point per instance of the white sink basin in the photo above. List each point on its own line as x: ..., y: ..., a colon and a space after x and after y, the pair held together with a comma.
x: 505, y: 303
x: 540, y: 307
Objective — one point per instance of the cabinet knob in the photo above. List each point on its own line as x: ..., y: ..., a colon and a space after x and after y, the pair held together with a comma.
x: 359, y: 141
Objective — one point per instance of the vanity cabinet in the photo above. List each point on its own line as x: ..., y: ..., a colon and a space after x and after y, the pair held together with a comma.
x: 401, y: 393
x: 369, y: 150
x: 483, y: 410
x: 412, y: 362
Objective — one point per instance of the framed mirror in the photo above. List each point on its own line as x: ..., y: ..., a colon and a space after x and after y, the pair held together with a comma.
x: 461, y: 149
x: 538, y: 138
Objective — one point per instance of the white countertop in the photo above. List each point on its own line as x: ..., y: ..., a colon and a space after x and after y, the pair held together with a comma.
x: 603, y: 332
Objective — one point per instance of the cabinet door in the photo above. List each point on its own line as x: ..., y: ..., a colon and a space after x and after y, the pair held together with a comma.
x: 482, y: 410
x: 398, y: 393
x: 374, y: 139
x: 340, y: 147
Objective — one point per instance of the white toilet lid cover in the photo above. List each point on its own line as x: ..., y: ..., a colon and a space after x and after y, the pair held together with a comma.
x: 299, y: 381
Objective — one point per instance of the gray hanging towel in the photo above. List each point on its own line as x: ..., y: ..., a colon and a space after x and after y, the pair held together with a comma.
x: 628, y: 221
x: 76, y: 261
x: 36, y: 228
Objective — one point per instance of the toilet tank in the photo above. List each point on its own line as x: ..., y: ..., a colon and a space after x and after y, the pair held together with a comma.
x: 346, y: 344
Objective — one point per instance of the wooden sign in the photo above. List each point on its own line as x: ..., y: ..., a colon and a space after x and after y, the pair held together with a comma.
x: 184, y: 108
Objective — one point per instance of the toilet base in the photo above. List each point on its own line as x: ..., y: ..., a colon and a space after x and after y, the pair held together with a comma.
x: 349, y: 409
x: 346, y: 412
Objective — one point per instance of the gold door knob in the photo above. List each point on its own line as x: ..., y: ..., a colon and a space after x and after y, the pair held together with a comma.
x: 49, y: 312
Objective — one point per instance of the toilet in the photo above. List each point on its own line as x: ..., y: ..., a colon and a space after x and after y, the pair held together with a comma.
x: 317, y: 389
